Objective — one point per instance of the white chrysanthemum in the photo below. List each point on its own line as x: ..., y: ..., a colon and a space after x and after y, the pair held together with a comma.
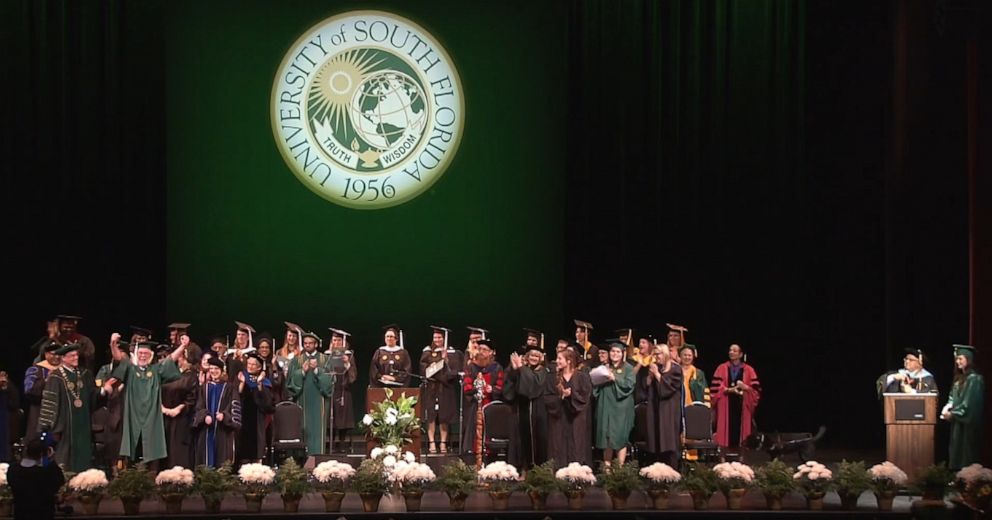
x: 258, y: 474
x: 88, y: 481
x: 376, y: 452
x: 888, y: 471
x: 660, y: 472
x: 388, y: 461
x: 499, y: 470
x: 409, y: 457
x: 391, y: 449
x: 367, y: 420
x: 332, y: 470
x: 176, y: 476
x: 576, y: 473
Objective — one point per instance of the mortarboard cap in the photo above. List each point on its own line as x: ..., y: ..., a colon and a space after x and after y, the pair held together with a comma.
x: 264, y: 336
x: 141, y: 331
x: 51, y: 346
x: 967, y: 351
x: 254, y: 354
x: 215, y: 362
x: 439, y: 328
x: 477, y: 330
x: 68, y: 317
x: 309, y: 334
x: 583, y: 324
x: 531, y: 333
x: 150, y: 345
x: 391, y: 327
x: 65, y: 349
x: 293, y: 327
x: 178, y: 326
x: 616, y: 343
x: 487, y: 342
x: 245, y: 327
x: 338, y: 333
x: 915, y: 352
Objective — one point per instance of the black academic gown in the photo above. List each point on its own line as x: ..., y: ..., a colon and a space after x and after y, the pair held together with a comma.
x: 10, y: 403
x: 394, y: 361
x: 524, y: 389
x: 225, y: 432
x: 34, y: 389
x: 109, y: 416
x: 256, y: 404
x: 569, y: 437
x: 344, y: 406
x: 663, y: 414
x: 178, y: 429
x: 441, y: 390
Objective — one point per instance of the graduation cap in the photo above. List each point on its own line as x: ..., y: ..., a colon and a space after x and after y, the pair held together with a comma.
x: 70, y: 347
x: 292, y: 327
x: 256, y: 357
x: 613, y: 343
x: 585, y: 325
x: 532, y: 333
x: 68, y: 317
x: 672, y: 327
x: 396, y: 329
x: 178, y: 326
x: 477, y: 330
x: 266, y: 337
x: 915, y: 352
x: 245, y: 327
x: 442, y: 330
x: 150, y: 345
x: 487, y: 342
x: 309, y: 334
x: 967, y: 351
x: 141, y: 331
x: 51, y: 346
x: 215, y: 362
x: 338, y: 333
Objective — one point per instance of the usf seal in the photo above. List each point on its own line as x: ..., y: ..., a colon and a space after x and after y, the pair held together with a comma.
x: 367, y: 109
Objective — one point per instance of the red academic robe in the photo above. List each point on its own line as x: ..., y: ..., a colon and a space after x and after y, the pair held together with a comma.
x: 721, y: 402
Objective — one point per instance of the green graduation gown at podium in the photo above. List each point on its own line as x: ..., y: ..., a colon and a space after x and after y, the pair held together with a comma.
x: 143, y: 408
x: 312, y: 390
x: 966, y: 403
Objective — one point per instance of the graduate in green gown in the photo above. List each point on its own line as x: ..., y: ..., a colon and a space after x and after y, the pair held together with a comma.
x: 964, y: 409
x: 310, y: 385
x: 144, y: 429
x: 615, y: 405
x: 65, y: 411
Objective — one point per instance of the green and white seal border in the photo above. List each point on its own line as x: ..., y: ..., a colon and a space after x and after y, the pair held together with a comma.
x: 326, y: 177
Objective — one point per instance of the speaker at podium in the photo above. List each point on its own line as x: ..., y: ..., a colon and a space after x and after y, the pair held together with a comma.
x: 910, y: 425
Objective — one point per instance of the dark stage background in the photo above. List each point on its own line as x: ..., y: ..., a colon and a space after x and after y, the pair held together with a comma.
x: 790, y: 176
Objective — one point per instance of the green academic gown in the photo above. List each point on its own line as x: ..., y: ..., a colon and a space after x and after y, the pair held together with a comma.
x: 69, y: 423
x: 313, y: 391
x: 965, y: 403
x: 615, y: 409
x: 143, y: 408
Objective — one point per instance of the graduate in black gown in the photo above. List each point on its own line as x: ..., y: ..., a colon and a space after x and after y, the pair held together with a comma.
x: 660, y: 385
x: 524, y: 388
x: 341, y: 364
x: 255, y: 391
x: 218, y: 417
x: 178, y: 405
x: 569, y: 436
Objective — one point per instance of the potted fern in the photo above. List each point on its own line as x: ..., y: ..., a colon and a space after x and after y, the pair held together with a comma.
x: 132, y: 485
x: 852, y: 479
x: 701, y: 482
x: 934, y: 482
x: 370, y: 482
x: 775, y: 481
x: 457, y: 481
x: 538, y: 483
x: 291, y: 481
x: 619, y: 480
x: 213, y: 484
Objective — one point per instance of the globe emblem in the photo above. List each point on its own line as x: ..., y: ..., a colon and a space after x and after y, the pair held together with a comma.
x: 385, y: 107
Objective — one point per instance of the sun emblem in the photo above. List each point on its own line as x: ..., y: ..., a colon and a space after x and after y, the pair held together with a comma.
x: 335, y: 83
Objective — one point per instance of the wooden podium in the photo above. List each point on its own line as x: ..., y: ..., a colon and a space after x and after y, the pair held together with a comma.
x: 374, y: 396
x: 910, y: 422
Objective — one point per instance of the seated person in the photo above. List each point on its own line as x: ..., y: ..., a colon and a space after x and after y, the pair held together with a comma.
x: 912, y: 378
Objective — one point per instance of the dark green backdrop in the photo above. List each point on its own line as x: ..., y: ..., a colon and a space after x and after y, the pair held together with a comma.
x: 248, y: 241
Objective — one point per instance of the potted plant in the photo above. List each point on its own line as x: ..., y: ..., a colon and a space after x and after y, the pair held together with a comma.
x: 619, y: 480
x: 658, y: 480
x: 88, y: 487
x: 457, y: 481
x: 292, y: 483
x: 539, y: 482
x: 701, y: 482
x: 499, y: 478
x: 213, y: 484
x: 131, y: 486
x: 256, y: 482
x: 573, y: 480
x: 6, y: 495
x: 886, y: 479
x: 852, y: 479
x: 370, y: 482
x: 412, y: 478
x: 814, y: 480
x: 775, y: 481
x: 734, y: 479
x: 975, y: 485
x: 331, y: 479
x: 392, y: 422
x: 173, y: 486
x: 934, y: 482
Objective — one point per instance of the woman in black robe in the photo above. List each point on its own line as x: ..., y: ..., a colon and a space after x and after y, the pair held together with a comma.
x: 660, y: 385
x: 217, y: 419
x: 569, y: 435
x: 275, y: 376
x: 342, y: 365
x: 178, y: 403
x: 255, y: 391
x: 524, y: 388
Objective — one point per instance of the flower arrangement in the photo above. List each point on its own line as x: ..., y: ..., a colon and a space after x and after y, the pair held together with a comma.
x: 256, y: 479
x: 775, y: 479
x: 498, y: 476
x: 887, y: 477
x: 576, y: 477
x: 975, y: 485
x: 371, y: 477
x: 5, y: 492
x: 175, y: 481
x: 89, y: 483
x: 291, y: 480
x: 392, y: 422
x: 813, y: 479
x: 734, y: 475
x: 411, y: 476
x: 213, y: 483
x: 134, y: 483
x: 457, y: 479
x: 332, y: 476
x: 660, y: 476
